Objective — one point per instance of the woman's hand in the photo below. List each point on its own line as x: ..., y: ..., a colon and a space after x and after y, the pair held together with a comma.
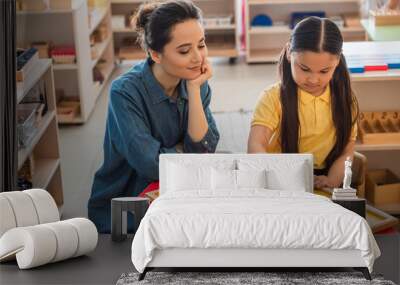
x: 322, y: 181
x: 206, y: 73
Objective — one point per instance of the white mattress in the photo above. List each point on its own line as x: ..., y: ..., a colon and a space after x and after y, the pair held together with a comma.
x: 251, y: 218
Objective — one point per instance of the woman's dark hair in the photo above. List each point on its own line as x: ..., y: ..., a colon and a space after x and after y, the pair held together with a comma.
x: 317, y: 35
x: 154, y: 21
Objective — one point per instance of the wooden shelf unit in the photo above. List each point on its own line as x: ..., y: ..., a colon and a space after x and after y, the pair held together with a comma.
x: 43, y: 147
x: 73, y: 27
x: 378, y: 92
x: 222, y: 41
x: 264, y: 44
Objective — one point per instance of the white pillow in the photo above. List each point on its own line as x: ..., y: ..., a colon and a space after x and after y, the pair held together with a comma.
x: 283, y: 173
x: 184, y: 177
x: 292, y: 179
x: 223, y: 179
x: 251, y: 178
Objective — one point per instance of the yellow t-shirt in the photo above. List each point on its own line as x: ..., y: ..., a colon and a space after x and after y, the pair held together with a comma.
x: 317, y: 131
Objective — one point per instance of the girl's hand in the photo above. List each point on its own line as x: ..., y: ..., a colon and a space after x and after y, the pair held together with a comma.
x: 206, y: 73
x: 322, y: 181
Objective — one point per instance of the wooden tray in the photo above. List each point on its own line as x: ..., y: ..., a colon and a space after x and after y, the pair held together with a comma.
x: 68, y: 110
x: 377, y: 219
x: 60, y: 4
x: 385, y: 18
x: 379, y: 127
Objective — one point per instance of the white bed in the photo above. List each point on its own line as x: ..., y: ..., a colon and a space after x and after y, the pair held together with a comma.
x: 202, y: 220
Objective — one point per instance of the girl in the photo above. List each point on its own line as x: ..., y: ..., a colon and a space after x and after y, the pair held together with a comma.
x: 159, y: 106
x: 312, y: 109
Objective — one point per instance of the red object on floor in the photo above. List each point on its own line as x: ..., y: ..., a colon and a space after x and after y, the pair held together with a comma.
x: 386, y: 231
x: 376, y: 67
x: 151, y: 187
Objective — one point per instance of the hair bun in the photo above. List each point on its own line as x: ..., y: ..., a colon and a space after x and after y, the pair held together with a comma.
x: 141, y: 17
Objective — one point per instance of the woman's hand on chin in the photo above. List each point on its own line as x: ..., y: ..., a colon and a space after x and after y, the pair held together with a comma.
x: 206, y: 73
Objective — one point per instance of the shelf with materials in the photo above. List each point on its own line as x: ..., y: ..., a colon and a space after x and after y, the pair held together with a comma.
x: 79, y: 23
x: 265, y: 43
x: 125, y: 38
x: 41, y: 151
x: 379, y: 103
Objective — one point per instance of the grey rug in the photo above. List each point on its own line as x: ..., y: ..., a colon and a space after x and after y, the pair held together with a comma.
x: 242, y: 278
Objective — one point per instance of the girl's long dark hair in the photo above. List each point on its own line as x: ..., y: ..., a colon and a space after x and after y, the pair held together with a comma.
x: 317, y: 35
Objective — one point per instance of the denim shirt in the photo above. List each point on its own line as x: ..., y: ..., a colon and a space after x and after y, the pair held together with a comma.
x: 142, y: 122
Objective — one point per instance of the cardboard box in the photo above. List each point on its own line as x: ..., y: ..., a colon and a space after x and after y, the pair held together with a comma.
x: 382, y: 187
x: 385, y: 18
x: 33, y: 5
x: 60, y: 4
x: 43, y: 49
x: 351, y: 20
x: 67, y: 110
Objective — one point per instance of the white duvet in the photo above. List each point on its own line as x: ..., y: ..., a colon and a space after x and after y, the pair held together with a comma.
x: 252, y: 218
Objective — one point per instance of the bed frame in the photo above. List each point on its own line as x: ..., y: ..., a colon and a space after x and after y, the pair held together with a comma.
x: 242, y: 259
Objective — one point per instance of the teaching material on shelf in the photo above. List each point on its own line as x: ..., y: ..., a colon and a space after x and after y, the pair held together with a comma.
x: 359, y: 63
x: 63, y: 54
x: 380, y: 127
x: 43, y: 48
x: 374, y: 54
x: 385, y: 17
x: 217, y: 21
x: 25, y: 60
x: 261, y: 20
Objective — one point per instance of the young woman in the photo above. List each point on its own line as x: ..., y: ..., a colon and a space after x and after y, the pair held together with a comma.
x: 312, y: 109
x: 160, y: 106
